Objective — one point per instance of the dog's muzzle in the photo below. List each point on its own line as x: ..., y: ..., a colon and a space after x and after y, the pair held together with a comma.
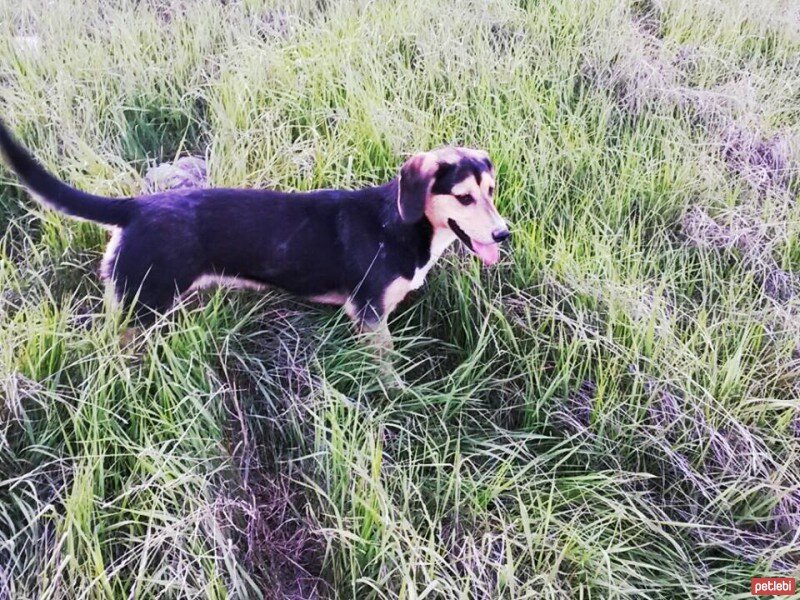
x: 488, y: 253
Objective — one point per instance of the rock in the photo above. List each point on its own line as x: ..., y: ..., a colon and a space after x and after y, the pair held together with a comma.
x: 185, y: 173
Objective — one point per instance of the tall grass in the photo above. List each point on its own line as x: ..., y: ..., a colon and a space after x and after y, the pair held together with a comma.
x: 612, y: 412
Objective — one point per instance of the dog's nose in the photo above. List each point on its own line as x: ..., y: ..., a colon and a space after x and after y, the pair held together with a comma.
x: 501, y: 235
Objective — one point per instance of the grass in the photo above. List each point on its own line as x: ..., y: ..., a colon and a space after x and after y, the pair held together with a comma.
x: 612, y: 412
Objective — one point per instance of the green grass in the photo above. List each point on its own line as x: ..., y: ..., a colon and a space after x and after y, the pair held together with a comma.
x: 611, y: 412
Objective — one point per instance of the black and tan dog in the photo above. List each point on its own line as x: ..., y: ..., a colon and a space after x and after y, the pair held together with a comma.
x: 362, y: 249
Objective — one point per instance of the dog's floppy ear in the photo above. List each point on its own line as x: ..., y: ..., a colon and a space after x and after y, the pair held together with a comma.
x: 414, y: 186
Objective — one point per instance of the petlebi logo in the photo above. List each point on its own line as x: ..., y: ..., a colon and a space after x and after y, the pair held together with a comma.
x: 773, y: 586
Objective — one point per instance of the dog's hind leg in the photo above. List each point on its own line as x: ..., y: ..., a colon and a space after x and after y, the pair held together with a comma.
x: 148, y: 280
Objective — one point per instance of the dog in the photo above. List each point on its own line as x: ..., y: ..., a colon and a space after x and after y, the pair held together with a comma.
x: 364, y: 249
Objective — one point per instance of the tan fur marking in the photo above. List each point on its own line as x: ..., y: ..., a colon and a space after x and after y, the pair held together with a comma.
x: 350, y: 310
x: 468, y: 186
x: 442, y: 238
x: 205, y: 281
x: 447, y: 154
x: 110, y: 255
x: 394, y: 294
x: 487, y: 181
x: 334, y: 298
x: 429, y: 163
x: 475, y: 152
x: 453, y: 154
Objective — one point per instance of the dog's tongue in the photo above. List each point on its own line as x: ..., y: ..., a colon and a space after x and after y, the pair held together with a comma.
x: 488, y: 253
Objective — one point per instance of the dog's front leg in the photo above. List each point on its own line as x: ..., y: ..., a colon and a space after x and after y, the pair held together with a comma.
x: 379, y: 339
x: 373, y: 328
x: 378, y: 336
x: 370, y: 323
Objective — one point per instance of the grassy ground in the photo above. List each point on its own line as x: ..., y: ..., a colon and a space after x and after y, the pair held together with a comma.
x: 612, y: 412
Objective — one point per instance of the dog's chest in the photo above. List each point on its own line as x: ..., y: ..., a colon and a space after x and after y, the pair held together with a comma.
x: 439, y: 243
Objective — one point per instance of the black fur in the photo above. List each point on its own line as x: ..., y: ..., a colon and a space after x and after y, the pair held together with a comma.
x: 460, y: 233
x: 353, y: 243
x: 449, y: 174
x: 414, y: 186
x: 68, y: 200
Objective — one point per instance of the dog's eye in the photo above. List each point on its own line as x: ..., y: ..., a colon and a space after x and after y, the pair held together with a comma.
x: 465, y: 199
x: 491, y: 190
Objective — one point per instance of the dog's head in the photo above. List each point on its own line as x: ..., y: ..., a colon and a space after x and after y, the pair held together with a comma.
x: 454, y: 188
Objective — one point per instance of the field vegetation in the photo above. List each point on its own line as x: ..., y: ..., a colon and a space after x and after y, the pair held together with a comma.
x: 611, y: 412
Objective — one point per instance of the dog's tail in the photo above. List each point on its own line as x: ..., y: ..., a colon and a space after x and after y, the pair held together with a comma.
x: 57, y: 194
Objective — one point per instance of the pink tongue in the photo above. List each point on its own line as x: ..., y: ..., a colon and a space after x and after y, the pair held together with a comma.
x: 488, y: 253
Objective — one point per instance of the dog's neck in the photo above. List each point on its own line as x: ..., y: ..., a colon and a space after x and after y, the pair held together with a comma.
x: 423, y: 240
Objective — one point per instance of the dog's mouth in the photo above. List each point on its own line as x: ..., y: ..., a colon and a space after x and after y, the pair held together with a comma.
x: 488, y: 253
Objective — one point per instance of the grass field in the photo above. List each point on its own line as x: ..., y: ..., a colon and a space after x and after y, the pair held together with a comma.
x: 611, y: 412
